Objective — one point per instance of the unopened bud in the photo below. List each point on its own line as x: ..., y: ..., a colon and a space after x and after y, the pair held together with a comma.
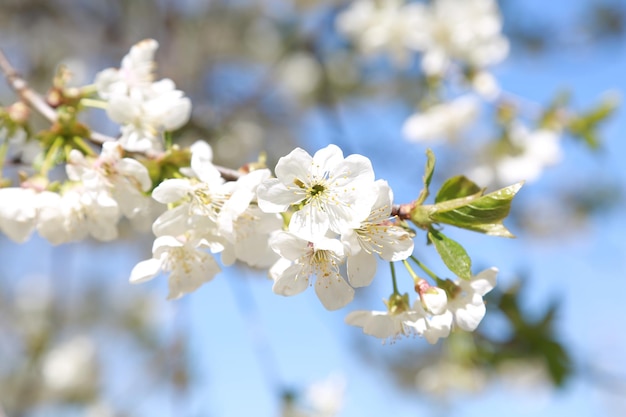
x: 19, y: 112
x: 435, y: 300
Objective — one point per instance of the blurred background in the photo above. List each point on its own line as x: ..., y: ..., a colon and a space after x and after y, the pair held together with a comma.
x: 76, y: 339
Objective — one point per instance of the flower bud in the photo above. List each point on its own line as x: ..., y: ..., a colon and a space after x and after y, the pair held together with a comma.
x: 435, y: 300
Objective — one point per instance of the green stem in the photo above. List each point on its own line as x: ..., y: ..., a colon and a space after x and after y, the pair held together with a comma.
x: 90, y: 102
x: 416, y: 279
x: 51, y: 155
x: 4, y: 148
x: 83, y: 146
x: 425, y: 269
x: 393, y: 278
x: 168, y: 139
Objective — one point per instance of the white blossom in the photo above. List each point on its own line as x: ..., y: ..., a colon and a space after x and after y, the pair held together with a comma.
x: 125, y: 179
x: 431, y: 326
x: 144, y: 108
x: 136, y: 71
x: 145, y: 115
x: 334, y: 193
x: 320, y: 258
x: 189, y: 264
x: 468, y: 31
x: 383, y: 26
x: 532, y: 152
x: 441, y: 121
x: 76, y: 214
x: 467, y: 303
x: 198, y: 199
x: 376, y: 235
x: 71, y: 368
x: 383, y: 324
x: 18, y: 212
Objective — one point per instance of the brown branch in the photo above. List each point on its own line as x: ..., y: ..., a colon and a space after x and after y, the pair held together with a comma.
x: 29, y: 96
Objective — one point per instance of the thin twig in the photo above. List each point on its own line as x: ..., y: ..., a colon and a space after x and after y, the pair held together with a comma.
x: 36, y: 101
x: 29, y: 96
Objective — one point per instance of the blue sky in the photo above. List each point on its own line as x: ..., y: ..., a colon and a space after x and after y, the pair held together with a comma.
x: 585, y: 270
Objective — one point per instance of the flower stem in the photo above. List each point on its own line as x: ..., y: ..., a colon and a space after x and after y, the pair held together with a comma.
x: 425, y: 268
x: 416, y: 279
x: 90, y: 102
x: 393, y: 278
x: 51, y: 155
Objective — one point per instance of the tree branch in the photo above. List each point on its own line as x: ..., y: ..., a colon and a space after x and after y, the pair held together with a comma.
x: 29, y: 96
x: 39, y: 104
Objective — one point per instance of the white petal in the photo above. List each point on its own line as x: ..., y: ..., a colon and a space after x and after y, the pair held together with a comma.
x: 274, y: 197
x: 361, y: 269
x: 289, y: 246
x: 290, y: 282
x: 333, y: 291
x: 145, y: 271
x: 469, y: 318
x: 122, y: 109
x: 172, y: 190
x: 484, y: 281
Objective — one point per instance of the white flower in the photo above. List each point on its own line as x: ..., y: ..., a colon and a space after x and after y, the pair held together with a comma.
x: 383, y: 26
x: 18, y: 212
x: 189, y: 265
x: 71, y: 368
x: 434, y: 300
x: 125, y: 179
x: 136, y: 71
x: 376, y: 235
x: 77, y: 213
x: 145, y: 115
x: 431, y: 326
x: 244, y: 226
x: 467, y: 303
x: 468, y: 31
x: 320, y: 258
x: 198, y: 200
x: 334, y: 193
x: 144, y: 108
x: 383, y: 324
x: 533, y: 152
x: 325, y: 397
x: 441, y: 121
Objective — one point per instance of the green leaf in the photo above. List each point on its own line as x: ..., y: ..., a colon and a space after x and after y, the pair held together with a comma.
x: 457, y: 187
x: 452, y: 254
x: 428, y: 176
x: 478, y: 213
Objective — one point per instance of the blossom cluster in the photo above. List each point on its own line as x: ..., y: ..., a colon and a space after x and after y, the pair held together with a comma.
x: 341, y: 215
x: 322, y: 220
x: 143, y: 107
x: 443, y: 31
x: 100, y: 191
x: 434, y: 313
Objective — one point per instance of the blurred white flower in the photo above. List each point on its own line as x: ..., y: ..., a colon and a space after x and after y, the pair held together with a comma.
x: 388, y: 26
x: 468, y: 31
x: 136, y: 71
x: 18, y: 212
x: 467, y: 303
x: 144, y: 108
x: 532, y: 153
x: 441, y: 121
x: 71, y: 369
